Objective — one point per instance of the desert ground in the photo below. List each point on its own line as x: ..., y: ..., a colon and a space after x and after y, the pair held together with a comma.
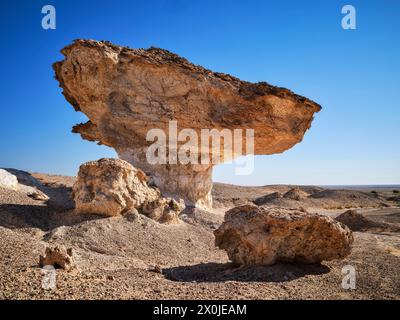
x: 135, y: 257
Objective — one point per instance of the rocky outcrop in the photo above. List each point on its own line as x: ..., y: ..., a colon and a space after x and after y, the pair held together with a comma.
x: 126, y: 92
x: 113, y: 186
x: 253, y: 235
x: 267, y: 198
x: 58, y: 257
x: 8, y: 180
x: 355, y: 221
x: 296, y: 194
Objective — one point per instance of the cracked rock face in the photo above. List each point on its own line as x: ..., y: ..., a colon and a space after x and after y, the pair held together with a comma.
x: 253, y: 235
x: 112, y: 187
x: 126, y: 92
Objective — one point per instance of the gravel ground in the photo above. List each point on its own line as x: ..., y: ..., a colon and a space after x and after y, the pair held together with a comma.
x: 125, y: 258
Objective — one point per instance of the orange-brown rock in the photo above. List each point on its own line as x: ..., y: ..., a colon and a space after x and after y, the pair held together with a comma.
x: 126, y: 92
x: 253, y: 235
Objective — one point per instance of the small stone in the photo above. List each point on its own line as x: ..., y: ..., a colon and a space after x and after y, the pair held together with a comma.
x: 38, y: 195
x: 155, y: 268
x: 132, y: 215
x: 58, y: 257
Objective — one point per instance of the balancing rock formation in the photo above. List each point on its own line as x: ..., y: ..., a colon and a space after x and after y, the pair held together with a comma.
x: 112, y: 187
x: 253, y: 235
x: 126, y: 92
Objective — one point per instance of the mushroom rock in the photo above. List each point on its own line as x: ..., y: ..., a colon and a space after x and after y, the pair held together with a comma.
x: 127, y: 92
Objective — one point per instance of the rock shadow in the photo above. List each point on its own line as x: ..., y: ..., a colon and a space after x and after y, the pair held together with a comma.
x: 59, y: 194
x: 18, y: 216
x: 45, y: 215
x: 220, y: 272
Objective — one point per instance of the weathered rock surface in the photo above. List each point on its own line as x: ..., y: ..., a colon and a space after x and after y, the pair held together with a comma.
x: 113, y: 186
x: 59, y: 257
x: 8, y: 180
x: 253, y: 235
x: 126, y: 92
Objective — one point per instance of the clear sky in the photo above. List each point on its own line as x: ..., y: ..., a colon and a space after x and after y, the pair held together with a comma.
x: 353, y: 74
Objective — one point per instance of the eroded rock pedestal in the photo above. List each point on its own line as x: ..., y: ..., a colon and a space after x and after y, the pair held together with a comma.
x: 253, y: 235
x: 126, y: 92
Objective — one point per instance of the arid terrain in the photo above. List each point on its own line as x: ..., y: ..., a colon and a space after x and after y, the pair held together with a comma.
x: 135, y: 257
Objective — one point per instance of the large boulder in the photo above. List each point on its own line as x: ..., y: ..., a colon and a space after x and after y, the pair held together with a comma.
x: 127, y: 92
x: 253, y: 235
x: 113, y: 186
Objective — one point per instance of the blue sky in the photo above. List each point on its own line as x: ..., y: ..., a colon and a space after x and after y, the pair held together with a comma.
x: 353, y: 74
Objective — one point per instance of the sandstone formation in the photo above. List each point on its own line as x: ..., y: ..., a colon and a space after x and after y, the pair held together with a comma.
x: 113, y: 186
x: 253, y: 235
x: 126, y: 92
x: 58, y: 257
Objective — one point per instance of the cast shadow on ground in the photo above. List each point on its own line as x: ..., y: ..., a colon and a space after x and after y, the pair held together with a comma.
x: 59, y: 194
x: 44, y: 215
x: 220, y: 272
x: 18, y: 216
